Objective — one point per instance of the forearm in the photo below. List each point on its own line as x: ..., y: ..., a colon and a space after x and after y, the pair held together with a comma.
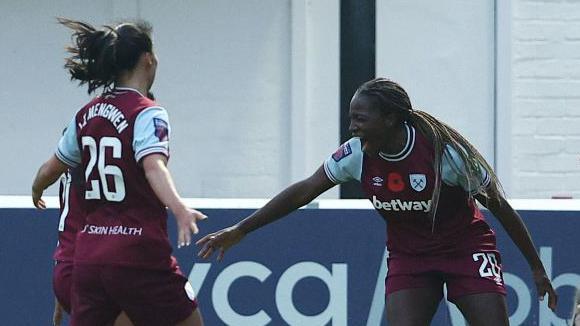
x: 43, y: 179
x: 47, y: 174
x: 162, y: 184
x: 518, y: 232
x: 292, y: 198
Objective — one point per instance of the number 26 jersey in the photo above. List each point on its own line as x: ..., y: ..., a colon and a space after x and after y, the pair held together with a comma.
x: 126, y: 224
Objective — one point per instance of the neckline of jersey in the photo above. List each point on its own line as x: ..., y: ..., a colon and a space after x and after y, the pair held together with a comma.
x: 406, y: 149
x: 127, y: 89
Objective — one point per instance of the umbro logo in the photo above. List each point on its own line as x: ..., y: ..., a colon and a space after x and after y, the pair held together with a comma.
x: 378, y: 181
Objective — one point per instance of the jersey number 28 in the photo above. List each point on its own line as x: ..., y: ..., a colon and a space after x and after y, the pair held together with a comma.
x: 489, y: 265
x: 97, y: 157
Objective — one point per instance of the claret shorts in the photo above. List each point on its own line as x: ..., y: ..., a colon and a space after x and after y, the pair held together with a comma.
x: 148, y: 297
x: 62, y: 283
x: 479, y: 272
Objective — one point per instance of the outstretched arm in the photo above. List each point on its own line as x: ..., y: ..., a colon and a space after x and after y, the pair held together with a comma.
x: 518, y: 232
x: 287, y: 201
x: 47, y: 174
x: 160, y: 180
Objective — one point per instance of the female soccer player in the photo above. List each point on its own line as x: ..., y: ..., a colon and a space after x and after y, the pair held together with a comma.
x: 72, y: 219
x: 120, y: 141
x: 423, y: 178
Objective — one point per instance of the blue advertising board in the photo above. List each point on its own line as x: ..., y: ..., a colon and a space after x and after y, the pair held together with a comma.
x: 314, y: 267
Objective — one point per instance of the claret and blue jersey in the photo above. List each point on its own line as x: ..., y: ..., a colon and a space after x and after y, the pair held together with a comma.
x: 400, y: 187
x: 126, y: 224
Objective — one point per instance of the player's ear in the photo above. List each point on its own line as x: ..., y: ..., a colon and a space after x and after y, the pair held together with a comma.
x: 148, y: 59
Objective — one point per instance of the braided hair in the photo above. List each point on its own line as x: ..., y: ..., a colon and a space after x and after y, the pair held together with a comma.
x: 393, y: 98
x: 99, y: 56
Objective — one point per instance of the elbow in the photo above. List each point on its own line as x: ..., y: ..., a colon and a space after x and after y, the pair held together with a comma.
x: 42, y: 178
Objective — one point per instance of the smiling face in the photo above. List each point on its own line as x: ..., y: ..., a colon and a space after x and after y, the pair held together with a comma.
x: 368, y: 122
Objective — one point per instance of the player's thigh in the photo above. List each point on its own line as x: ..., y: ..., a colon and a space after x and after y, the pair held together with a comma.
x: 123, y: 320
x: 151, y: 297
x: 484, y: 309
x: 414, y: 306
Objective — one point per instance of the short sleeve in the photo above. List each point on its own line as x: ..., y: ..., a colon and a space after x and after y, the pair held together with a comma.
x: 454, y: 172
x: 151, y: 133
x: 346, y: 163
x: 68, y: 150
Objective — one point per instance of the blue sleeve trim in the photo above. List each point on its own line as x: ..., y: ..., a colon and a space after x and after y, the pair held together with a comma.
x: 151, y: 150
x: 329, y: 174
x: 65, y: 159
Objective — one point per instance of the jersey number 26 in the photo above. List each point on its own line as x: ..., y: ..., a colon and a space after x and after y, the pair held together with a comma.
x: 97, y: 157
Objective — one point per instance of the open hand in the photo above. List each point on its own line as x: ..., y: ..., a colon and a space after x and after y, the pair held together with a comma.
x: 221, y: 240
x: 187, y: 224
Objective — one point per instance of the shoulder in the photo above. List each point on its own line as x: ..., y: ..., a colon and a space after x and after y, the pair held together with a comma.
x: 452, y: 157
x: 351, y: 147
x: 345, y: 163
x: 155, y: 115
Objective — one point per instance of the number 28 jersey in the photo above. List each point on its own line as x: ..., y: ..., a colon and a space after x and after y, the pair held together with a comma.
x: 400, y: 187
x: 126, y: 224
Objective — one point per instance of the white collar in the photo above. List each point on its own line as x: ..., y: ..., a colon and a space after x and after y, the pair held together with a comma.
x: 127, y: 89
x: 406, y: 149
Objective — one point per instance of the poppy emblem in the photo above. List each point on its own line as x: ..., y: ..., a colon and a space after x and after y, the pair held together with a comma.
x: 395, y: 182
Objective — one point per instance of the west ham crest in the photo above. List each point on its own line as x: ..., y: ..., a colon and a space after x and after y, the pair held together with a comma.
x: 418, y: 181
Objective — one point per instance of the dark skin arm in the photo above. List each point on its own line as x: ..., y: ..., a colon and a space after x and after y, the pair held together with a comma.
x: 287, y: 201
x: 518, y: 232
x: 47, y: 174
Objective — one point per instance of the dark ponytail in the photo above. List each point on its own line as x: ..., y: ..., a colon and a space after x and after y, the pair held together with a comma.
x: 98, y: 56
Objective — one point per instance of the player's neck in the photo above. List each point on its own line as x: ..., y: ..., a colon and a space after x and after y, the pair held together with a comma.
x: 136, y: 86
x: 396, y: 141
x: 133, y: 80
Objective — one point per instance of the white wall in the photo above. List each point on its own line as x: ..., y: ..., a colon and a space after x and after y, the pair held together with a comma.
x: 442, y: 53
x: 515, y: 94
x: 546, y: 98
x: 228, y: 75
x: 252, y: 87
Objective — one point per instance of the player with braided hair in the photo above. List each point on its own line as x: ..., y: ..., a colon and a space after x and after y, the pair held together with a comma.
x: 424, y: 179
